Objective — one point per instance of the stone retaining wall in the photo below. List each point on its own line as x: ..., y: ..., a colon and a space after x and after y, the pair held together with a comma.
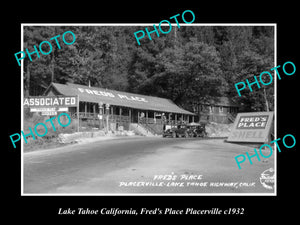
x: 71, y: 138
x: 74, y: 137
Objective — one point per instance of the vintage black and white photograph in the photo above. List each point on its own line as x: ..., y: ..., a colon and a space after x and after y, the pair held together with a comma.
x: 148, y: 109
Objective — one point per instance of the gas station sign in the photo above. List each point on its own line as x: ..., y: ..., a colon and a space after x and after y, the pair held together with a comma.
x: 252, y: 127
x: 50, y: 105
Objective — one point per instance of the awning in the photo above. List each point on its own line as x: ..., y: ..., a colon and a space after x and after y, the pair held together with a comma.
x: 117, y: 98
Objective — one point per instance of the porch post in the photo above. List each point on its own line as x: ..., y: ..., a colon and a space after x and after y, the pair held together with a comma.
x: 100, y: 106
x: 94, y: 113
x: 112, y: 112
x: 107, y: 116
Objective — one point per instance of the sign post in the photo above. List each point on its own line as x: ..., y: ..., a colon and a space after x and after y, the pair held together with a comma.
x: 252, y: 127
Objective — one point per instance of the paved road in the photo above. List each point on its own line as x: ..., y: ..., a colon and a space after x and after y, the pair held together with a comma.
x: 143, y: 165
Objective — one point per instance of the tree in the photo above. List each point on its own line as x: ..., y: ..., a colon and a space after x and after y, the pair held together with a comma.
x: 246, y: 52
x: 185, y: 73
x: 187, y: 65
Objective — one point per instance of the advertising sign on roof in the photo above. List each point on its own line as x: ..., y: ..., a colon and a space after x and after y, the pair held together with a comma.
x: 252, y: 127
x: 109, y: 94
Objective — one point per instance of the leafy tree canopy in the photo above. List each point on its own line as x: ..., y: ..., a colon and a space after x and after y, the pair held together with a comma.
x: 187, y: 65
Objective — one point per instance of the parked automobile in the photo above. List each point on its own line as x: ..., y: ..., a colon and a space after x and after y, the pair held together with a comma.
x: 197, y: 130
x: 189, y: 130
x: 176, y: 131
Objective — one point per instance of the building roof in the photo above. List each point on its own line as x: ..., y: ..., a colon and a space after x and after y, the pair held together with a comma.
x: 220, y: 101
x: 118, y: 98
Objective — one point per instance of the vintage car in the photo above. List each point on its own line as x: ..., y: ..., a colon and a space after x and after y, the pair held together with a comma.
x: 197, y: 130
x: 176, y: 131
x: 189, y: 130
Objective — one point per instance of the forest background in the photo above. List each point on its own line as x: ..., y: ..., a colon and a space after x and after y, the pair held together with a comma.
x: 189, y: 65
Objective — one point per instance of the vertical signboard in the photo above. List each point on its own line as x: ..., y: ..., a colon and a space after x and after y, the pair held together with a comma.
x: 252, y: 127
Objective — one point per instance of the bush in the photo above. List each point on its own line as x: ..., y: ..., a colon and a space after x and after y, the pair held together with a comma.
x: 218, y: 130
x: 32, y: 119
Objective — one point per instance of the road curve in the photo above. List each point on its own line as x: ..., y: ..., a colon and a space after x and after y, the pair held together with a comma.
x: 133, y: 165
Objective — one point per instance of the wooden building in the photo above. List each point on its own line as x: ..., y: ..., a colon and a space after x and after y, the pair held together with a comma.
x: 218, y: 109
x: 110, y: 109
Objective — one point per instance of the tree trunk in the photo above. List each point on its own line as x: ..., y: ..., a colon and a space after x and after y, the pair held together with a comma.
x: 52, y: 67
x: 266, y: 100
x: 27, y: 87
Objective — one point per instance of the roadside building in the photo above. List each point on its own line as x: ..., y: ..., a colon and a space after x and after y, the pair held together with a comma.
x: 115, y: 110
x: 217, y: 109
